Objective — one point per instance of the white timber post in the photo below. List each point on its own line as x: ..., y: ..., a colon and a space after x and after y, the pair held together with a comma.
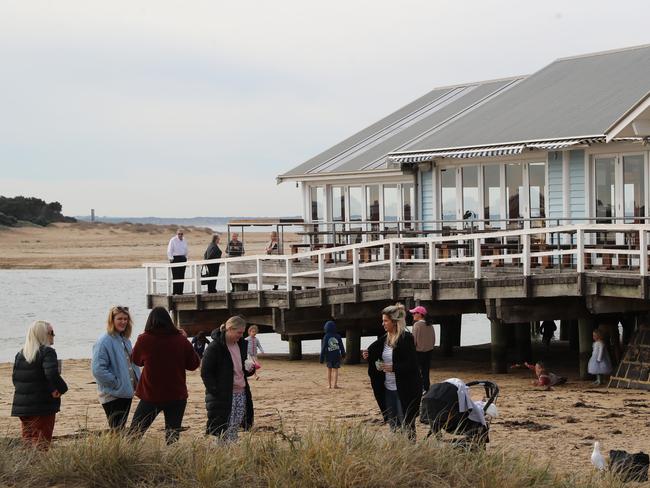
x: 477, y: 258
x: 260, y: 274
x: 355, y: 266
x: 149, y: 281
x: 643, y: 252
x: 526, y: 257
x: 393, y: 263
x: 580, y: 250
x: 226, y: 275
x: 197, y: 278
x: 170, y: 279
x: 289, y: 262
x: 321, y: 271
x: 432, y: 261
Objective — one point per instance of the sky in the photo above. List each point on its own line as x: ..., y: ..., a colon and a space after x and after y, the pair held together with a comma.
x: 182, y: 109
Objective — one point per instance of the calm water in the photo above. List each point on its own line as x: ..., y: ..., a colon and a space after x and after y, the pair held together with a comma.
x: 76, y: 302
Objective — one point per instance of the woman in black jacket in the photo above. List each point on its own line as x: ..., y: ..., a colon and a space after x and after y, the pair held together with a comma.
x: 393, y: 371
x: 212, y: 252
x: 38, y: 385
x: 224, y: 371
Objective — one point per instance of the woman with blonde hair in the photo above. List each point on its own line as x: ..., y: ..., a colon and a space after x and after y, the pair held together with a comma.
x: 393, y: 371
x: 224, y: 371
x: 112, y: 366
x: 38, y: 384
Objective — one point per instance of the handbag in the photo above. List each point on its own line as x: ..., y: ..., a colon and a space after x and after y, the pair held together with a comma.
x: 204, y: 271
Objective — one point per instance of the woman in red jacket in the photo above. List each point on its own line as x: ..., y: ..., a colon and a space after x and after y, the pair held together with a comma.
x: 164, y: 353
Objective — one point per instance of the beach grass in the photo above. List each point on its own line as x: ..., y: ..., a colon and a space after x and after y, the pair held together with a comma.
x: 326, y: 456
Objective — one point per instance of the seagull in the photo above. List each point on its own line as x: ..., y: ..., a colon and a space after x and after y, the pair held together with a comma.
x: 597, y: 458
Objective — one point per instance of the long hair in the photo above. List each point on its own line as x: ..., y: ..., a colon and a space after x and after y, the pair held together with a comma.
x: 36, y: 337
x: 235, y: 322
x: 397, y: 314
x: 110, y: 325
x: 159, y: 319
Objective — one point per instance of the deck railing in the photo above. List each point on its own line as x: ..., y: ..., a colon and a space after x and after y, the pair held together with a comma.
x: 610, y: 248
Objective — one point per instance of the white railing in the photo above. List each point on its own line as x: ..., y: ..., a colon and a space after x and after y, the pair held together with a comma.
x: 582, y: 252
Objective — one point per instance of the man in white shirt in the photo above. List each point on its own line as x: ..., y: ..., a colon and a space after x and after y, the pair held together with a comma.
x: 177, y: 253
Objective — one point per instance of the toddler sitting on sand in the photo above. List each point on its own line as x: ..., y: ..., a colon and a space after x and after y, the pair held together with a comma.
x: 544, y: 378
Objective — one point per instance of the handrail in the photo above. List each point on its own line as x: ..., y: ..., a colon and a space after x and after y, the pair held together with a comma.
x: 471, y: 252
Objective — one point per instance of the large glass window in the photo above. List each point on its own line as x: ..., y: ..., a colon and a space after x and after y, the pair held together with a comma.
x: 448, y: 193
x: 391, y: 203
x: 492, y: 195
x: 605, y: 181
x: 633, y: 188
x: 514, y: 190
x: 317, y: 203
x: 338, y: 203
x: 408, y: 202
x: 537, y: 188
x: 356, y: 202
x: 471, y: 205
x: 372, y: 202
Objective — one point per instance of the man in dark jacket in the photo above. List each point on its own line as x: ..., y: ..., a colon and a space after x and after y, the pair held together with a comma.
x: 218, y: 373
x: 212, y: 252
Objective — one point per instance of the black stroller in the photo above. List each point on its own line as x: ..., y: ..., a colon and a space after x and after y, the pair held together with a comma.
x: 440, y: 410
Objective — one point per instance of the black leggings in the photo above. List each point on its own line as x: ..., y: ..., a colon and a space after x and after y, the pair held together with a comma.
x: 117, y: 411
x: 147, y: 412
x: 424, y: 362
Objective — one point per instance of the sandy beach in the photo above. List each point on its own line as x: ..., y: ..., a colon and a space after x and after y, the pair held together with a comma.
x: 558, y: 426
x: 86, y: 245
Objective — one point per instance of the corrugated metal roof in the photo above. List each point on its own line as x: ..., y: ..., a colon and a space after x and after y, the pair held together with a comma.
x: 570, y: 101
x: 368, y: 148
x: 570, y: 98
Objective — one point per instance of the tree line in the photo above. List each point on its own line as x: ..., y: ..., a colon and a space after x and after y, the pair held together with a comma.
x: 30, y: 209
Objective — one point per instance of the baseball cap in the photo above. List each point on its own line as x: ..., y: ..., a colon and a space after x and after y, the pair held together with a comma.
x: 419, y: 309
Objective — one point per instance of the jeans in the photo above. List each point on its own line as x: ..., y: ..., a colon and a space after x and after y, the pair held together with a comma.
x: 117, y: 412
x: 424, y: 362
x: 147, y: 412
x: 394, y: 412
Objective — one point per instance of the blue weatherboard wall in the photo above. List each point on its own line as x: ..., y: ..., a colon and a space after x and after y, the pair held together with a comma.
x: 577, y: 201
x: 555, y: 208
x: 427, y: 197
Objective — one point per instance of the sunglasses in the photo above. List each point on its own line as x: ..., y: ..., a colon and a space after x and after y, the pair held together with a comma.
x: 50, y: 333
x: 119, y: 309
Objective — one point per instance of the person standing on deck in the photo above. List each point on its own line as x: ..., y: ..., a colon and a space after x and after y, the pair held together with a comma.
x: 272, y: 248
x: 212, y: 252
x: 425, y: 338
x: 235, y: 248
x: 177, y: 253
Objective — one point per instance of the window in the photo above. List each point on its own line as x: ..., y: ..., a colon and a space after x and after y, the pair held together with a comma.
x: 338, y: 204
x: 356, y: 202
x: 372, y: 202
x: 391, y: 203
x: 605, y: 181
x: 317, y: 203
x: 471, y: 206
x: 408, y: 201
x: 633, y: 188
x: 514, y: 190
x: 492, y: 195
x: 537, y: 189
x: 448, y: 193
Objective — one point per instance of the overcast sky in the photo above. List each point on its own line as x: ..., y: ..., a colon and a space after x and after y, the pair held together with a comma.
x: 192, y: 108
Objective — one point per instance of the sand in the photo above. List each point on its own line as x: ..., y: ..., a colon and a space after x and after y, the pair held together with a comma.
x: 559, y: 426
x: 100, y: 245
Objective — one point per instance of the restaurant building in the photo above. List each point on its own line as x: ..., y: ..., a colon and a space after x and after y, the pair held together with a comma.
x: 567, y: 144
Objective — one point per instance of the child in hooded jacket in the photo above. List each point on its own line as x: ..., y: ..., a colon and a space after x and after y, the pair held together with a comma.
x: 332, y: 351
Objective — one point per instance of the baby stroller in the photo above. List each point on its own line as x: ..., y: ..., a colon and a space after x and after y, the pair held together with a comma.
x: 448, y: 406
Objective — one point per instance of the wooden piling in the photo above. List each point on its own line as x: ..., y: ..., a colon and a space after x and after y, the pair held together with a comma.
x: 585, y: 329
x: 450, y: 334
x: 353, y: 346
x: 564, y: 330
x: 499, y: 339
x: 295, y: 349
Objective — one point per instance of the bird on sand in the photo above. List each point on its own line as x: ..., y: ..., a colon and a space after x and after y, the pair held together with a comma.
x: 597, y: 458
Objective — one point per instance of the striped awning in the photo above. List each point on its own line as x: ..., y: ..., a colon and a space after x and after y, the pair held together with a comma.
x: 491, y: 151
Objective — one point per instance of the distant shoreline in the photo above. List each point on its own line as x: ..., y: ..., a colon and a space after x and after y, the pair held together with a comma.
x: 99, y: 245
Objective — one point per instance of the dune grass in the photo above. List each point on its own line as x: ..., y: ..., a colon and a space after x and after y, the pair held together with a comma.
x: 322, y: 457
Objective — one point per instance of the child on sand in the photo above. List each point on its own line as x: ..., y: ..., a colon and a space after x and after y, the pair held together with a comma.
x: 332, y: 351
x: 543, y: 377
x: 599, y: 364
x: 253, y: 345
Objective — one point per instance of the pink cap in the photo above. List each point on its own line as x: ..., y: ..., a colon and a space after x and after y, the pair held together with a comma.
x: 419, y: 309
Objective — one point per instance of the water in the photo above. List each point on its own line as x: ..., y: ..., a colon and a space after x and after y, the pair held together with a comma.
x: 76, y: 302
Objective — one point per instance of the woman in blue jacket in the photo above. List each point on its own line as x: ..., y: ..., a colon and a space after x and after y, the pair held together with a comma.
x: 113, y: 368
